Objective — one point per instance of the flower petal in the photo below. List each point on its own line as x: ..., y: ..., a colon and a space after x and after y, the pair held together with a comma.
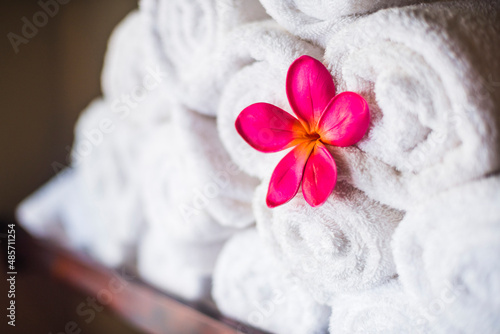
x: 320, y: 176
x: 309, y: 88
x: 345, y: 120
x: 268, y: 128
x: 287, y: 175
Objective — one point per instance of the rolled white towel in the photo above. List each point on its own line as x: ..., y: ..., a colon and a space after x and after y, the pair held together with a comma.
x: 343, y: 245
x: 104, y: 155
x: 446, y: 252
x: 431, y: 76
x: 167, y: 191
x: 386, y: 309
x: 147, y: 112
x: 124, y: 64
x: 190, y: 181
x: 176, y: 266
x: 185, y: 37
x: 132, y: 83
x: 56, y: 212
x: 268, y: 51
x: 227, y: 191
x: 252, y: 287
x: 318, y: 20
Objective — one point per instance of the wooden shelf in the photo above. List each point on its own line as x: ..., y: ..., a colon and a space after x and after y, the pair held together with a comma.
x: 137, y: 303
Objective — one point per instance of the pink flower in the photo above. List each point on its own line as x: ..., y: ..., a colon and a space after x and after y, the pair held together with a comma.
x: 323, y: 119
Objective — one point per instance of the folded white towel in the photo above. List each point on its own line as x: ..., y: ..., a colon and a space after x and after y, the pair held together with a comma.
x: 318, y: 20
x: 250, y: 285
x: 386, y: 309
x: 343, y: 245
x: 268, y: 51
x: 178, y: 267
x: 104, y: 155
x: 430, y: 74
x: 446, y: 251
x: 185, y: 37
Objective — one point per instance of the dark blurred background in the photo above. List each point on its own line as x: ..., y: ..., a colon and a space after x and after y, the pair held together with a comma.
x: 43, y: 88
x: 46, y: 85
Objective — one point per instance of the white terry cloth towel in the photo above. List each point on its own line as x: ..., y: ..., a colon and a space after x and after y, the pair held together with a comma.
x: 343, y: 245
x: 130, y: 80
x: 386, y: 309
x: 446, y: 252
x: 431, y: 76
x: 176, y: 266
x: 317, y: 20
x: 185, y: 37
x: 226, y: 192
x: 104, y: 157
x: 125, y: 66
x: 251, y: 286
x: 167, y: 195
x: 56, y: 212
x: 268, y: 50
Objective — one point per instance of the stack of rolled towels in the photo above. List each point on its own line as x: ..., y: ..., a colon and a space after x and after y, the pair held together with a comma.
x: 409, y: 240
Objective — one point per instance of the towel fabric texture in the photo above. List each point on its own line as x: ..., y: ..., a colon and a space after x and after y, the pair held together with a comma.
x: 408, y: 241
